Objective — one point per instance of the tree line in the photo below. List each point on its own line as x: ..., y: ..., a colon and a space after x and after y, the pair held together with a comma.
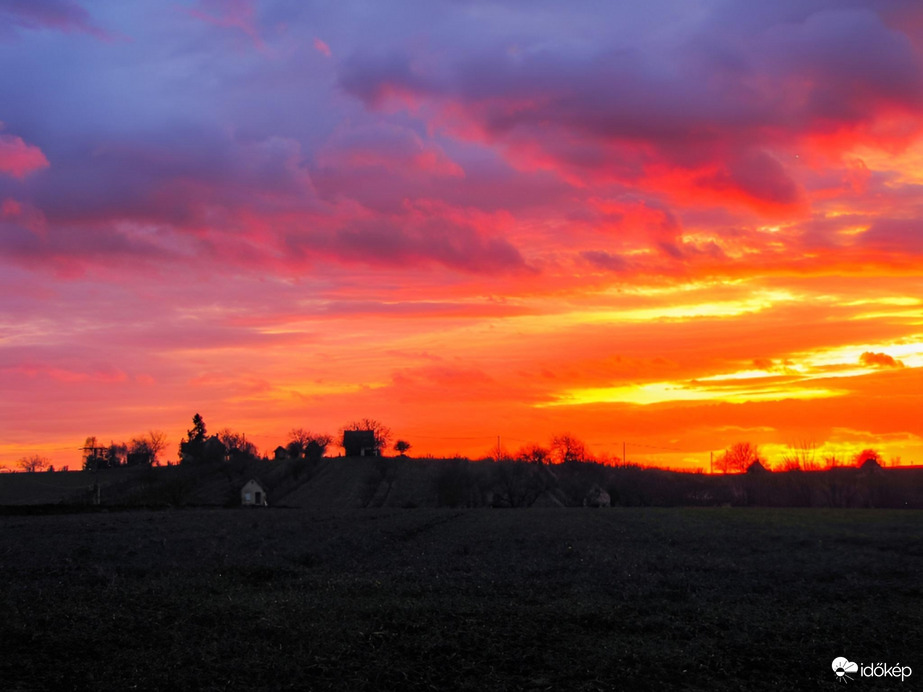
x: 198, y: 447
x: 743, y: 457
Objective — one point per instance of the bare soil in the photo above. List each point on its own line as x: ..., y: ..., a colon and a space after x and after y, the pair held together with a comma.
x: 470, y: 599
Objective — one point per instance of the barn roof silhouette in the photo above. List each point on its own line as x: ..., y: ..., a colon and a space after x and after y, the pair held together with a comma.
x: 359, y: 443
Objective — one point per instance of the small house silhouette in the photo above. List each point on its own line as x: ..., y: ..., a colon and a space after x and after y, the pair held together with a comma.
x: 757, y: 467
x: 360, y: 443
x: 253, y: 495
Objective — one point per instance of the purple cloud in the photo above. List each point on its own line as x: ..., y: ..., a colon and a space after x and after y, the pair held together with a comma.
x: 605, y: 260
x: 595, y: 109
x: 897, y: 236
x: 60, y: 15
x: 423, y: 241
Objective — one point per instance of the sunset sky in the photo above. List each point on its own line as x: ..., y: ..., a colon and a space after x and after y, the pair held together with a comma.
x: 672, y: 224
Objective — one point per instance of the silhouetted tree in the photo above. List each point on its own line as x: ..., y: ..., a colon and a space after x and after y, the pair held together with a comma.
x: 117, y: 454
x: 298, y: 439
x: 306, y: 444
x: 33, y: 463
x: 520, y: 484
x: 143, y: 450
x: 401, y: 447
x: 566, y: 448
x: 738, y: 457
x: 140, y: 452
x: 237, y: 445
x: 800, y: 457
x: 157, y: 442
x: 198, y: 431
x: 214, y: 451
x: 868, y: 455
x: 533, y: 454
x: 317, y: 447
x: 192, y: 449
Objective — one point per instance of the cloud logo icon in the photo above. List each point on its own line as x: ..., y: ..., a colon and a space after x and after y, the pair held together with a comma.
x: 841, y: 666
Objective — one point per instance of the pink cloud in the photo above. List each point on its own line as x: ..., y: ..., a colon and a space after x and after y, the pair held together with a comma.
x: 24, y: 221
x: 10, y: 208
x: 61, y: 15
x: 67, y: 375
x: 230, y: 14
x: 392, y: 151
x: 322, y: 47
x: 18, y: 159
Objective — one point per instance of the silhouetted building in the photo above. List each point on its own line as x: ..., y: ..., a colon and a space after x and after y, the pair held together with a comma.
x: 280, y: 453
x: 360, y: 443
x: 597, y: 497
x: 139, y: 459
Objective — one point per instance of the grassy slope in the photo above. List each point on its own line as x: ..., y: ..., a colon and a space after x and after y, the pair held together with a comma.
x: 717, y: 599
x: 334, y: 483
x: 346, y: 483
x: 51, y: 488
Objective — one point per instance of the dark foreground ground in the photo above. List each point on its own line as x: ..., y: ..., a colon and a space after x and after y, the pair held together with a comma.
x: 635, y: 599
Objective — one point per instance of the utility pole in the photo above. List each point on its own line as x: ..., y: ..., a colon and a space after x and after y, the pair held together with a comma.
x: 711, y: 463
x: 498, y: 448
x: 624, y: 460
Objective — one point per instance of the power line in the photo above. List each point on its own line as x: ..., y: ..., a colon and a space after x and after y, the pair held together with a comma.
x: 443, y: 437
x: 665, y: 449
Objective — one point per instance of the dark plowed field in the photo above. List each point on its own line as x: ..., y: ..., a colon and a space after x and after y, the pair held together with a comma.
x: 634, y: 599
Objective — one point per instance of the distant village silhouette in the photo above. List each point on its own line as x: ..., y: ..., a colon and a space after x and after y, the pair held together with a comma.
x: 226, y: 469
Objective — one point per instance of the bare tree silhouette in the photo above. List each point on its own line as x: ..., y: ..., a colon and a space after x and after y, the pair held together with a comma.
x: 801, y: 456
x: 567, y: 448
x: 738, y: 457
x: 33, y: 463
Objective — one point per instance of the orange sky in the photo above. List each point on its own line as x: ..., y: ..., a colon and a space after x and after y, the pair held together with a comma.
x: 467, y: 221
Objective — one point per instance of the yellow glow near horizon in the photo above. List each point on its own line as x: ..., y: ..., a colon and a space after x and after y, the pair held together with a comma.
x: 910, y: 354
x: 729, y: 308
x: 906, y: 164
x: 840, y: 362
x: 686, y: 287
x: 900, y: 301
x: 740, y: 375
x: 914, y: 316
x: 664, y: 392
